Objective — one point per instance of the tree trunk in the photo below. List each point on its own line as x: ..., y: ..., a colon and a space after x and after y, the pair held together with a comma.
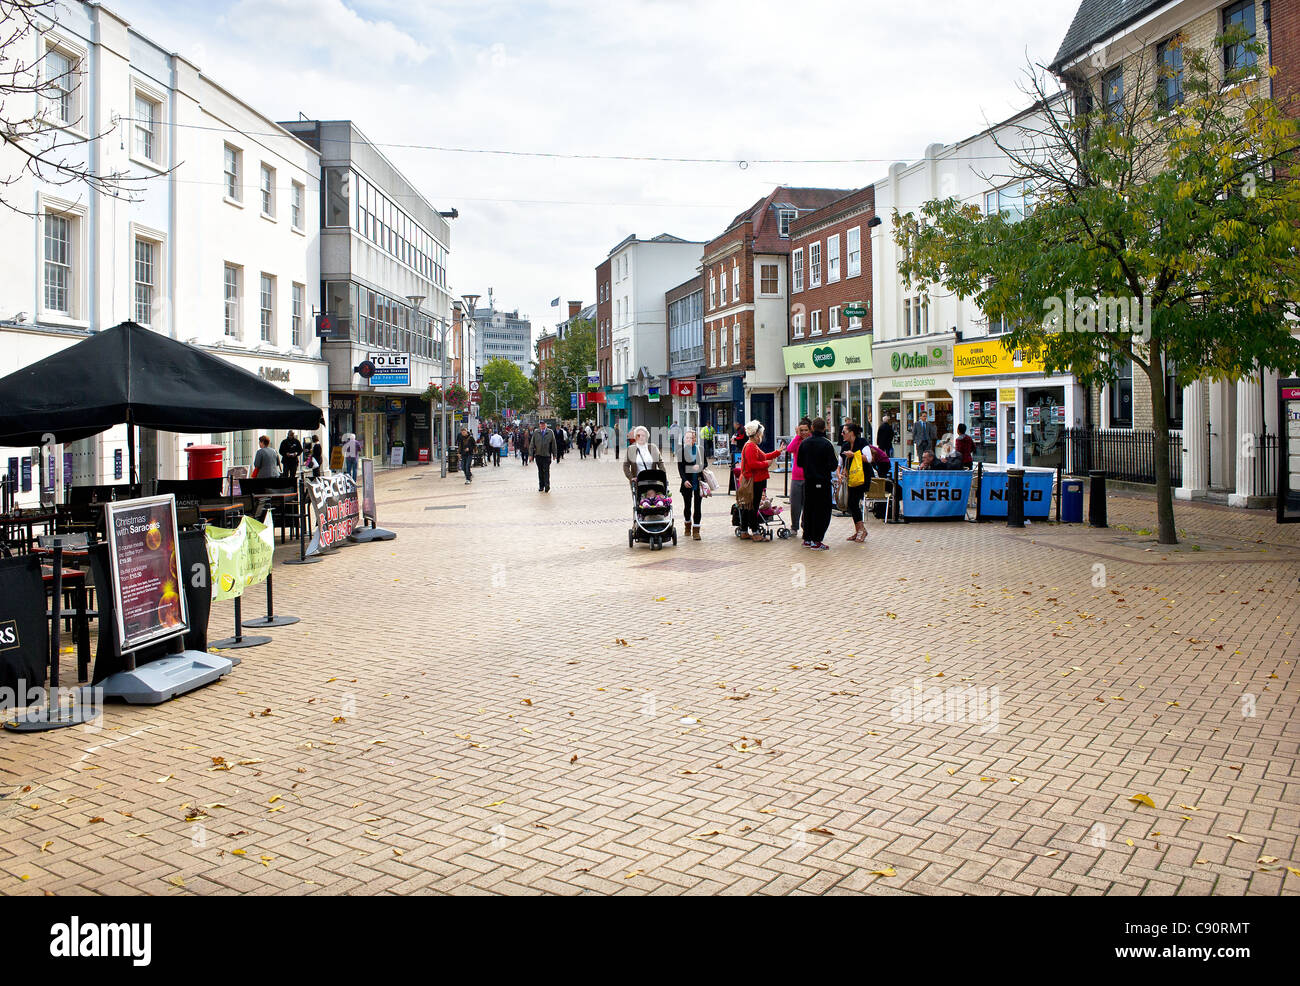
x: 1155, y: 371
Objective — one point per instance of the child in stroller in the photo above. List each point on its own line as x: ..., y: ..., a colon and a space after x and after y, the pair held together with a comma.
x: 652, y: 510
x: 770, y: 517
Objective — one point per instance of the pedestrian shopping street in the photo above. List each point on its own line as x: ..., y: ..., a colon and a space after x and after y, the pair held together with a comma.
x: 507, y: 699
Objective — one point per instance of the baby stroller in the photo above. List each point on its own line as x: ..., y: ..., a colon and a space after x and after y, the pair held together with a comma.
x: 652, y: 511
x: 769, y: 517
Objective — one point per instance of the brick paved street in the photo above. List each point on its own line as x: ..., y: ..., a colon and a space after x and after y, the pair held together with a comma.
x: 506, y: 699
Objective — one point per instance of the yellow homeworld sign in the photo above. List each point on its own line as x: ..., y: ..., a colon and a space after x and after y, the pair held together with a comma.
x: 991, y: 358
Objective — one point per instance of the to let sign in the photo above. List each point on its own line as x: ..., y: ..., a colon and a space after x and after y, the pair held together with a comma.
x: 390, y: 369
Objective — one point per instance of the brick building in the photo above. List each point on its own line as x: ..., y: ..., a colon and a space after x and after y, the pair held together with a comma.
x: 828, y: 353
x: 746, y: 311
x: 684, y: 316
x: 604, y: 331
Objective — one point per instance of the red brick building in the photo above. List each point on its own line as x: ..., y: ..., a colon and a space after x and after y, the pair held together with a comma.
x: 1283, y: 26
x: 604, y: 329
x: 746, y: 311
x: 828, y: 352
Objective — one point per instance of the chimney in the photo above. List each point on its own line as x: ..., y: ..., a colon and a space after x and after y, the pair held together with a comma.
x: 574, y: 308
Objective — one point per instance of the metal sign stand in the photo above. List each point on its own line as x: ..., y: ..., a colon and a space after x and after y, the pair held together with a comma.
x: 270, y: 619
x: 54, y: 715
x: 239, y: 641
x: 304, y: 516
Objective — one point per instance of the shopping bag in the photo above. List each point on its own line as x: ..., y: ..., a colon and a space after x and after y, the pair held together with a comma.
x: 857, y: 476
x: 709, y: 479
x: 842, y: 497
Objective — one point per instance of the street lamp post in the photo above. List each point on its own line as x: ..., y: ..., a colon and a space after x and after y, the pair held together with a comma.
x: 471, y: 300
x: 416, y: 301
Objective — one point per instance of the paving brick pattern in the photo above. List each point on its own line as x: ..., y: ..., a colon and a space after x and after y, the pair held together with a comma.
x: 508, y: 700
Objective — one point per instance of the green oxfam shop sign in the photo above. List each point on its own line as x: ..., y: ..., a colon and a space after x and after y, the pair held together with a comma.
x: 851, y: 354
x: 917, y: 359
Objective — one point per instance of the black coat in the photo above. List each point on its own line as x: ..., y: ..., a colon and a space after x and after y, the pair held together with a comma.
x: 818, y: 459
x: 689, y: 470
x: 290, y: 448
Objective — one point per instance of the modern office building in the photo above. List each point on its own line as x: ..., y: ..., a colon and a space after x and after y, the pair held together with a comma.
x: 504, y: 334
x: 383, y: 274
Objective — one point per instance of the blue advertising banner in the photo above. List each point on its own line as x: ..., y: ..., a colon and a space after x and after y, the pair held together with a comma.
x: 616, y: 398
x: 1038, y: 493
x: 928, y: 493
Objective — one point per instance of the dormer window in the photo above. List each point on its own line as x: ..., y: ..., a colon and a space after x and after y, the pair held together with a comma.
x: 783, y: 219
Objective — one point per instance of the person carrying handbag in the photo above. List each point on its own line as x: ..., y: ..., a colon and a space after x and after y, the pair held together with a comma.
x: 692, y: 457
x: 754, y: 464
x: 853, y: 474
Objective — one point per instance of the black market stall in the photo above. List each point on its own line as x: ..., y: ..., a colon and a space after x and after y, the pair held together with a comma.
x: 131, y: 375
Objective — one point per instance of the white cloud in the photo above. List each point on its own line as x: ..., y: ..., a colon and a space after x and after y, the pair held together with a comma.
x: 763, y: 79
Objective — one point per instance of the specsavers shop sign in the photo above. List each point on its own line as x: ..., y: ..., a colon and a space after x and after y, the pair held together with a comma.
x: 912, y: 367
x: 850, y: 356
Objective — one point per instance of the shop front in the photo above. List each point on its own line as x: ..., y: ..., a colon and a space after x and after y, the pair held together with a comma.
x: 616, y: 404
x: 301, y: 376
x: 722, y: 402
x: 914, y: 376
x: 831, y: 380
x: 686, y: 409
x: 1015, y: 412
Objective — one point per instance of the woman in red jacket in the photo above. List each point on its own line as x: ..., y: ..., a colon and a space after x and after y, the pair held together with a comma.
x: 753, y: 463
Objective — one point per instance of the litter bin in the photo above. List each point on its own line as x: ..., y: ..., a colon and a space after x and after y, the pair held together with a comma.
x: 206, y: 461
x: 1072, y: 501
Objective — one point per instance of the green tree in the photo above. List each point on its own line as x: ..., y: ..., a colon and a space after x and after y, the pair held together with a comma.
x: 512, y: 389
x: 575, y: 355
x: 1161, y: 235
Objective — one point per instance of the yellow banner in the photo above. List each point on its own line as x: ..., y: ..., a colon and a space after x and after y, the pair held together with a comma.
x: 991, y: 358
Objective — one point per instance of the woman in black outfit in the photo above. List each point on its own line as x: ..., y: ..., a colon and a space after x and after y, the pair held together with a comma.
x: 692, y: 457
x: 854, y: 442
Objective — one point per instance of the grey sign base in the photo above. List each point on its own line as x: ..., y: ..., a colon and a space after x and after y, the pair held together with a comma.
x: 41, y: 718
x: 166, y: 678
x: 367, y: 534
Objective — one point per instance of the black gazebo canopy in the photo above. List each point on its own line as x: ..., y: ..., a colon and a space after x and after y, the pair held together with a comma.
x: 131, y: 375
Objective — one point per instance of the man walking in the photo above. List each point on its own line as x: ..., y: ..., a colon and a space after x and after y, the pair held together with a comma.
x: 818, y: 460
x: 351, y: 454
x: 923, y: 435
x: 542, y: 445
x: 290, y: 450
x: 496, y: 441
x: 885, y: 434
x: 465, y: 447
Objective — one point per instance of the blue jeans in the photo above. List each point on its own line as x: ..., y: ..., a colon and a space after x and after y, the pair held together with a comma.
x: 350, y: 467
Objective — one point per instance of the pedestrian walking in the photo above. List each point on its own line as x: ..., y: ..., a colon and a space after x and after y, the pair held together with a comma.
x: 754, y: 464
x: 543, y: 448
x: 351, y: 454
x: 966, y: 446
x: 317, y: 456
x: 738, y: 440
x: 496, y: 442
x: 290, y: 452
x: 818, y: 460
x: 923, y: 435
x: 796, y: 473
x: 885, y: 434
x: 597, y: 439
x: 266, y: 464
x: 854, y: 472
x: 691, y: 462
x: 465, y: 446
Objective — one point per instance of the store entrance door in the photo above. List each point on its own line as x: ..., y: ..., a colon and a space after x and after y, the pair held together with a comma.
x: 1007, y: 422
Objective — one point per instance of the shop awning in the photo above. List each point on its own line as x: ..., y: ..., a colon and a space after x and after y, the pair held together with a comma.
x: 131, y: 375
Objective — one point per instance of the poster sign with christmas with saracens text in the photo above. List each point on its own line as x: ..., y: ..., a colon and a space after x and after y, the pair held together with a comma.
x: 144, y: 555
x: 338, y: 510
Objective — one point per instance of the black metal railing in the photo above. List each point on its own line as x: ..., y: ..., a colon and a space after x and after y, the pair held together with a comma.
x: 1265, y: 464
x: 1124, y: 454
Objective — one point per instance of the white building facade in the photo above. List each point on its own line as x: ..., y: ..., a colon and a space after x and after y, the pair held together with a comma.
x: 641, y: 272
x: 944, y: 355
x: 217, y: 246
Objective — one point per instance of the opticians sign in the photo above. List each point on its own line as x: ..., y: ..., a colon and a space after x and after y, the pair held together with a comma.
x: 850, y: 355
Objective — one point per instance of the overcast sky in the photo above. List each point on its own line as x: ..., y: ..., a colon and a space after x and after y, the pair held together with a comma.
x: 869, y: 80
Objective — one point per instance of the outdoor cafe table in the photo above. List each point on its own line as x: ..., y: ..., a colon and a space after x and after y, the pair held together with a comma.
x: 221, y: 514
x: 29, y: 520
